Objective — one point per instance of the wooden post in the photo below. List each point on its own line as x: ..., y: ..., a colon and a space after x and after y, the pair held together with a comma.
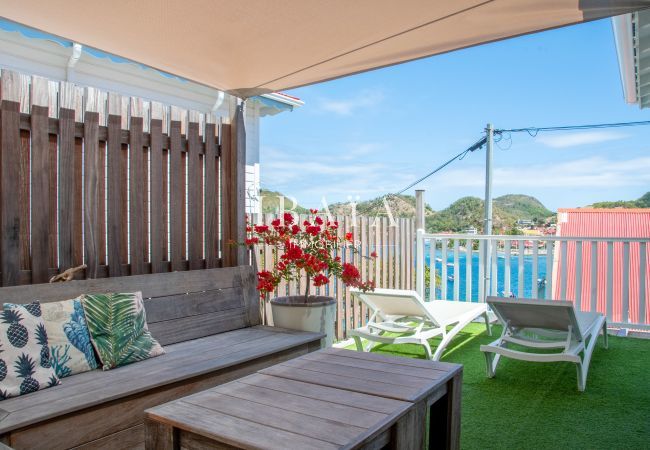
x: 40, y: 179
x: 233, y: 189
x: 10, y: 183
x: 92, y: 172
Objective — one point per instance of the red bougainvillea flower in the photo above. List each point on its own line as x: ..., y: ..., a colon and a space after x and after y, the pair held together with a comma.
x: 313, y: 211
x: 320, y: 280
x: 305, y: 249
x: 261, y: 229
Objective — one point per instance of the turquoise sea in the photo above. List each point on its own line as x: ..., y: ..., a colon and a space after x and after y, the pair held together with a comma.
x: 515, y: 260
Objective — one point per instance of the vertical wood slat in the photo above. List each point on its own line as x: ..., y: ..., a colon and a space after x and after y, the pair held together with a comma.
x: 115, y: 188
x: 432, y: 270
x: 642, y: 283
x: 384, y: 254
x: 40, y: 181
x: 391, y: 255
x: 194, y: 196
x: 137, y: 190
x: 494, y: 272
x: 92, y: 172
x: 578, y: 277
x: 366, y: 268
x: 625, y: 294
x: 403, y: 232
x: 610, y: 280
x: 594, y: 277
x: 456, y: 271
x: 468, y: 270
x: 349, y: 318
x: 377, y: 262
x: 549, y: 271
x: 520, y: 269
x: 24, y: 196
x: 563, y: 269
x: 211, y: 203
x: 9, y: 167
x: 176, y: 190
x: 69, y: 184
x: 535, y: 274
x: 481, y: 271
x: 341, y: 324
x: 443, y: 277
x: 158, y: 200
x: 506, y: 268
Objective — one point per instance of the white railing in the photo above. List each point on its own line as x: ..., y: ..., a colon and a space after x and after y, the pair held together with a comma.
x: 609, y: 275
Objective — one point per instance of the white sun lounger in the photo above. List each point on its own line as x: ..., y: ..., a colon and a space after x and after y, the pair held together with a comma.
x: 545, y: 324
x: 404, y: 312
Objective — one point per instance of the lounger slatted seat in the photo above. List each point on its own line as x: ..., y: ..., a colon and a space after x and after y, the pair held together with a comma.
x: 546, y: 325
x: 409, y: 320
x: 208, y: 322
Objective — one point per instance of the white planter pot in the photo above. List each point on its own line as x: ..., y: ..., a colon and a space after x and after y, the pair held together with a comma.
x: 317, y: 315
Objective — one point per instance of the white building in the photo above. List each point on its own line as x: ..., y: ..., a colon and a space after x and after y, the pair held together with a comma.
x: 36, y: 53
x: 632, y: 34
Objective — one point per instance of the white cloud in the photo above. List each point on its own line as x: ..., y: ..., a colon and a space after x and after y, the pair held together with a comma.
x: 346, y: 107
x: 597, y: 173
x: 565, y: 139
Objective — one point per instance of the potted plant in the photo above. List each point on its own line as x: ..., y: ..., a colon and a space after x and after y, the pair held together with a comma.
x: 305, y: 251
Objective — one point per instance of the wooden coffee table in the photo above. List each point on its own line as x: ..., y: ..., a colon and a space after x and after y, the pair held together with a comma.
x: 326, y: 399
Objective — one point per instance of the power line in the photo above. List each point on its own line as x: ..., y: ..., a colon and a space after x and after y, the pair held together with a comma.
x: 533, y: 131
x: 475, y: 146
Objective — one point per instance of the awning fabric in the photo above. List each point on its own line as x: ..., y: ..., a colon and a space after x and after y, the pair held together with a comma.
x: 252, y: 47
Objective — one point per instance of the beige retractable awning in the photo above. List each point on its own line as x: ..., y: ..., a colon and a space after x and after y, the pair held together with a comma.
x: 249, y: 47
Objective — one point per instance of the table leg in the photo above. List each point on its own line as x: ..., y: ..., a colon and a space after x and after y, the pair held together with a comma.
x: 160, y: 436
x: 444, y: 417
x: 409, y: 431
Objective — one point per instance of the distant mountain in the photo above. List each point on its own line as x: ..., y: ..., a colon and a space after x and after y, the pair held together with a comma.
x: 464, y: 213
x: 468, y: 212
x: 271, y: 202
x: 641, y: 202
x: 522, y: 207
x: 400, y: 206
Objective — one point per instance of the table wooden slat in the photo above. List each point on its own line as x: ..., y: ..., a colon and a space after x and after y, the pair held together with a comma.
x: 231, y: 430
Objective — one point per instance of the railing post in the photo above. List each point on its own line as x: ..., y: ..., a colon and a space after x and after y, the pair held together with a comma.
x: 419, y: 274
x: 419, y: 245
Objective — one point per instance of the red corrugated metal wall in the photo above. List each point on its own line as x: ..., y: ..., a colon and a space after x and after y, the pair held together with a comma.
x: 604, y: 223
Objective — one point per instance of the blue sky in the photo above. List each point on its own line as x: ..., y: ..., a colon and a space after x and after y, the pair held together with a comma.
x: 374, y: 133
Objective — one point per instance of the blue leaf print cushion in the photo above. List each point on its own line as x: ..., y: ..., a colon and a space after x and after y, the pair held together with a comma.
x: 70, y: 346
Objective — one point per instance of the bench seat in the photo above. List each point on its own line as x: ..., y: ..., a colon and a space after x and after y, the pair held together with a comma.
x: 209, y: 324
x: 183, y: 362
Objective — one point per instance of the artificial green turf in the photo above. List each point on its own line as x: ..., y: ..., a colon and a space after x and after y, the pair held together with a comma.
x: 537, y: 405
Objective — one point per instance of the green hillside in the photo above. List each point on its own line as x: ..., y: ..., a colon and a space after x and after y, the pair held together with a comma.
x: 271, y: 202
x: 522, y: 206
x: 400, y: 206
x: 641, y: 202
x: 469, y: 212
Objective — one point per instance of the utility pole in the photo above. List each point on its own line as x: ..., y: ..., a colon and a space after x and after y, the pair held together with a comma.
x: 487, y: 224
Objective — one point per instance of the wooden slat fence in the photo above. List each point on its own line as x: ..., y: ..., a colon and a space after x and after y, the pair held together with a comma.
x: 394, y: 267
x: 122, y: 185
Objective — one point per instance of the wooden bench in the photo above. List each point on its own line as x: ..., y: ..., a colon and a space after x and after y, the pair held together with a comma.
x: 208, y: 322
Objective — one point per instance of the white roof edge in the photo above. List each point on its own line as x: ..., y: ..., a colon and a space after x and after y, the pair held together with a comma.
x: 283, y: 98
x: 624, y: 39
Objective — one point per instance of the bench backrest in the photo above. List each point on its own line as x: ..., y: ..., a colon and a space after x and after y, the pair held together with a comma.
x: 180, y: 306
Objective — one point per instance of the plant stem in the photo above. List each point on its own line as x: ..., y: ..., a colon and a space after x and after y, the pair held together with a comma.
x: 307, y: 289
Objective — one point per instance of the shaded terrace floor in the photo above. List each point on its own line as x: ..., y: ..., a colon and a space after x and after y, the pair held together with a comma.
x: 538, y: 406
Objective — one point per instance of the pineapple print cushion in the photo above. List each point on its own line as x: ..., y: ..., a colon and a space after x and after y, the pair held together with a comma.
x: 25, y: 364
x: 71, y: 350
x: 118, y: 328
